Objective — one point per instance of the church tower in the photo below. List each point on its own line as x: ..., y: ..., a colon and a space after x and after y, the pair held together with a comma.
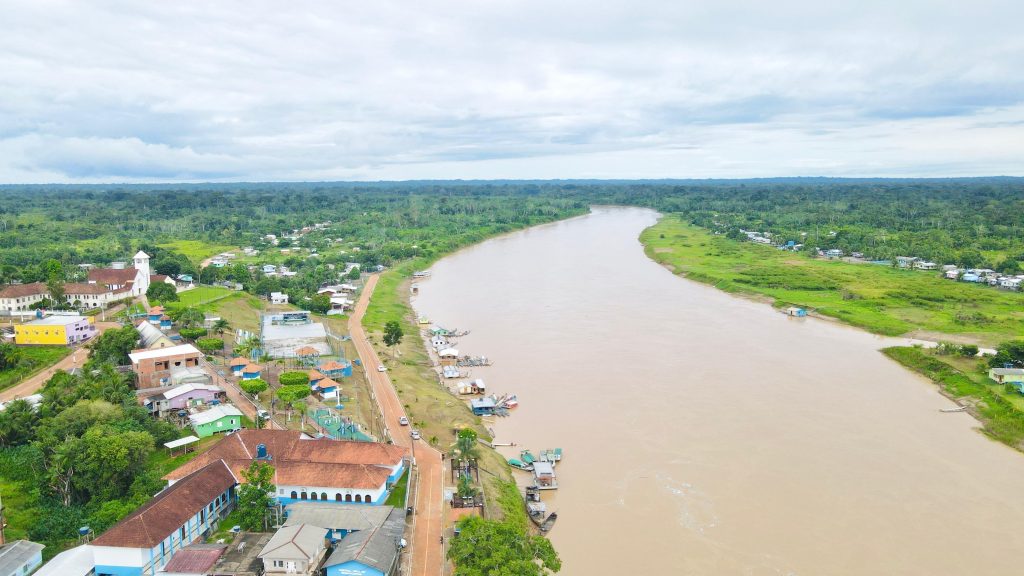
x: 142, y: 273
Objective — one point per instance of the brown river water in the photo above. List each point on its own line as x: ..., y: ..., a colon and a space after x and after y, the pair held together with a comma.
x: 709, y: 434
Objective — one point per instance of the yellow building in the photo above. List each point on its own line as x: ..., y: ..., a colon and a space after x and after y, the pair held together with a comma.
x: 55, y: 330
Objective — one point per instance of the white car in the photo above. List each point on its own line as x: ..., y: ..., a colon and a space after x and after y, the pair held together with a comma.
x: 415, y: 434
x: 381, y: 368
x: 403, y: 421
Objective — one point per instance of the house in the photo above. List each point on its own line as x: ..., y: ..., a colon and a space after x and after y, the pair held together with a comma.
x: 450, y: 372
x: 237, y: 364
x: 154, y: 314
x: 544, y: 475
x: 20, y: 557
x: 166, y: 322
x: 834, y: 253
x: 372, y: 552
x: 184, y: 281
x: 187, y: 510
x: 948, y: 267
x: 969, y: 277
x: 269, y: 269
x: 55, y: 331
x: 1007, y: 376
x: 251, y: 372
x: 339, y: 304
x: 906, y: 261
x: 194, y: 560
x: 278, y: 298
x: 1010, y: 283
x: 923, y: 265
x: 181, y: 397
x: 336, y: 369
x: 225, y: 418
x: 315, y: 376
x: 297, y: 549
x: 308, y: 469
x: 339, y: 520
x: 20, y: 297
x: 77, y: 561
x: 219, y: 262
x: 153, y: 367
x: 448, y: 356
x: 326, y: 388
x: 482, y: 406
x: 952, y: 274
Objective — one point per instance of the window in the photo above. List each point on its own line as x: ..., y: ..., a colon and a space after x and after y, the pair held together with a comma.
x: 359, y: 497
x: 304, y: 495
x: 182, y: 532
x: 323, y: 495
x: 294, y: 495
x: 313, y: 496
x: 278, y: 563
x: 337, y: 497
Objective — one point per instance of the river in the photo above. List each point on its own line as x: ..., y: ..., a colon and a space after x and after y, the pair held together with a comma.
x: 709, y: 434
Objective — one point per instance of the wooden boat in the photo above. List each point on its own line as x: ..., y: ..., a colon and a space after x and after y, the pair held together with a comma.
x: 512, y: 401
x: 536, y: 509
x: 532, y: 494
x: 527, y: 457
x: 547, y: 523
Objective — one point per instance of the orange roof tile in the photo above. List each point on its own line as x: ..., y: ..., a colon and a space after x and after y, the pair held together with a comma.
x: 239, y: 361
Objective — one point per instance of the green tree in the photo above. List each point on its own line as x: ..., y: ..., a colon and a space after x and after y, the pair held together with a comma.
x: 320, y: 303
x: 1008, y: 353
x: 10, y: 356
x: 192, y: 333
x: 114, y: 345
x: 493, y: 548
x: 190, y: 317
x: 17, y: 423
x: 294, y: 378
x: 246, y: 347
x: 210, y: 345
x: 466, y: 444
x: 393, y: 333
x: 254, y: 496
x: 162, y: 292
x: 254, y: 386
x: 353, y: 274
x: 220, y: 326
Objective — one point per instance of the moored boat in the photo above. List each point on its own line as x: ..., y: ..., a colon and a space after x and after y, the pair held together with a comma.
x: 517, y: 463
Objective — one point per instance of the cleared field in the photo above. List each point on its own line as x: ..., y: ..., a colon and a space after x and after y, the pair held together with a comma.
x: 202, y: 295
x: 880, y: 299
x: 196, y: 250
x: 32, y: 359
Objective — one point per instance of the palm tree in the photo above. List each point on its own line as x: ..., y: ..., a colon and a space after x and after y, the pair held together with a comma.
x: 247, y: 346
x: 220, y: 326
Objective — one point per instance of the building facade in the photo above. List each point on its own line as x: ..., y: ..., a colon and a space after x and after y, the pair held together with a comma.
x: 55, y: 331
x: 153, y: 367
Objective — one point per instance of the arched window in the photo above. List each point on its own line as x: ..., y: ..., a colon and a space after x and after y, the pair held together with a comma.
x: 323, y: 495
x: 348, y: 497
x: 304, y: 495
x: 312, y: 496
x: 294, y: 495
x: 367, y: 499
x: 337, y: 497
x: 359, y: 497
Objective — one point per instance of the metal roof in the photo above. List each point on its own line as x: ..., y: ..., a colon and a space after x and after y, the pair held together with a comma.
x: 377, y: 548
x: 14, y: 555
x: 214, y: 414
x: 335, y: 516
x: 163, y: 352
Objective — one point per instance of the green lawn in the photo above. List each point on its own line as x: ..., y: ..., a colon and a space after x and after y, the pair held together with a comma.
x: 196, y: 250
x: 878, y: 298
x: 397, y: 496
x: 202, y: 295
x: 33, y: 360
x: 241, y: 310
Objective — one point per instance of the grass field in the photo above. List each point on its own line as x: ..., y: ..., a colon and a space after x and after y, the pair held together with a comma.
x: 877, y: 298
x: 33, y: 359
x: 241, y: 310
x: 196, y: 250
x: 202, y: 295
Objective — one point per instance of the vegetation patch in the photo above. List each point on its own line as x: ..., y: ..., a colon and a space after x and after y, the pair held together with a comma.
x: 19, y: 362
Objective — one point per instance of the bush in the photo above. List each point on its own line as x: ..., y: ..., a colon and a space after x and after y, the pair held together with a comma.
x: 210, y: 345
x: 192, y: 333
x: 969, y: 350
x: 294, y: 378
x: 253, y: 386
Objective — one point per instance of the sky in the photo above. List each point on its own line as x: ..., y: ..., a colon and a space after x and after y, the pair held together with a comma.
x: 105, y: 91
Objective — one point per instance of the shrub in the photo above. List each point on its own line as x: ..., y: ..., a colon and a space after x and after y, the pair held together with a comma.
x: 192, y: 333
x: 294, y: 378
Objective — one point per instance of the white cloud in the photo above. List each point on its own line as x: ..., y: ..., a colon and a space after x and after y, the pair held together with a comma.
x: 123, y: 91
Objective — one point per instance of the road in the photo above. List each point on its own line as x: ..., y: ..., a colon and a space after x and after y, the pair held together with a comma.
x: 76, y: 359
x: 428, y: 520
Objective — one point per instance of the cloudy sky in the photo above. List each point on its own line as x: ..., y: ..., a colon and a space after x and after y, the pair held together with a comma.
x: 200, y: 91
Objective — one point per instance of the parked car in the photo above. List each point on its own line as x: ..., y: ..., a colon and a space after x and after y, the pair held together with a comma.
x: 263, y: 414
x: 415, y: 434
x: 403, y: 421
x: 381, y: 368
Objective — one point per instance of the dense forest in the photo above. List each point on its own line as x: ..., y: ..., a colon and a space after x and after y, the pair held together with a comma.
x: 974, y: 222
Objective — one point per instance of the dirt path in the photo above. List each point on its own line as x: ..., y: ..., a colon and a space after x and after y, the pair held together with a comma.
x: 428, y: 520
x: 76, y: 359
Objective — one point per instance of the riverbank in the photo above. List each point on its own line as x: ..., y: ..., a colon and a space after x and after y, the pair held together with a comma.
x: 1000, y: 419
x: 879, y: 299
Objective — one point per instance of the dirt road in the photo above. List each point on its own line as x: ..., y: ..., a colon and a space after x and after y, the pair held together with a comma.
x: 428, y: 520
x: 76, y: 359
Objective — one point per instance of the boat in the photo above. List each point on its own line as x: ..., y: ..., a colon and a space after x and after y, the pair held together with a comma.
x: 527, y: 457
x: 512, y: 401
x: 548, y: 523
x: 517, y: 463
x: 544, y: 476
x: 536, y: 509
x: 532, y: 494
